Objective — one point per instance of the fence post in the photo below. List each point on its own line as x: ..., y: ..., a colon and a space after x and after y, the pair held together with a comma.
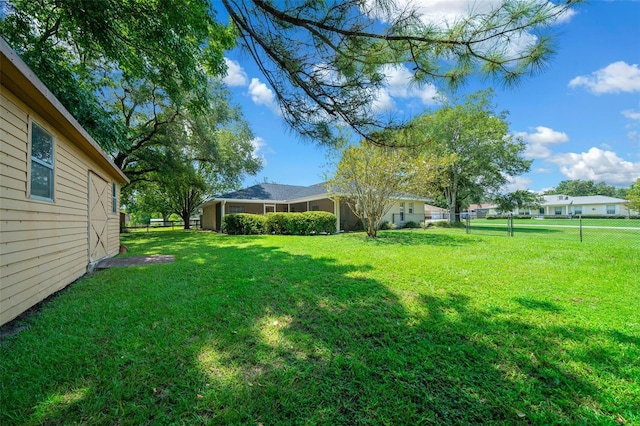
x: 580, y: 217
x: 510, y: 225
x: 468, y: 222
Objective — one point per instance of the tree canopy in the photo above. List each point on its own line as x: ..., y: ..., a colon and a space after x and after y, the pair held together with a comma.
x: 468, y: 153
x: 326, y: 61
x: 371, y: 178
x: 634, y: 196
x: 579, y: 187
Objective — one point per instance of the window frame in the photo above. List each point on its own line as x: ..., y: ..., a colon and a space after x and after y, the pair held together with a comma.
x: 50, y: 166
x: 114, y: 198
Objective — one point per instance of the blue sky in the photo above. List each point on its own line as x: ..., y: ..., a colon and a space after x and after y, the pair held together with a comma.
x: 580, y: 117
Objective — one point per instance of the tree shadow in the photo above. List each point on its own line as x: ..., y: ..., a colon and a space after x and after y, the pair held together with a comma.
x: 259, y: 335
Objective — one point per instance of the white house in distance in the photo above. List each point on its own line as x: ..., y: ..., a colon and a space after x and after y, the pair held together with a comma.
x: 270, y: 197
x: 556, y: 205
x: 58, y: 192
x: 565, y: 205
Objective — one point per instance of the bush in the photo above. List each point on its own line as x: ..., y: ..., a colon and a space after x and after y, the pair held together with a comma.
x: 412, y: 225
x: 442, y: 224
x: 243, y: 224
x: 386, y: 225
x: 276, y: 223
x: 305, y: 223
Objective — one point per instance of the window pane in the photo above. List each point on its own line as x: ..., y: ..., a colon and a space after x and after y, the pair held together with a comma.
x: 41, y: 145
x: 41, y: 181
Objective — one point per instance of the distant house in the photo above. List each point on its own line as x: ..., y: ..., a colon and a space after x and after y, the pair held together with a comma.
x: 565, y: 205
x: 435, y: 212
x: 557, y: 205
x: 58, y: 192
x: 270, y: 197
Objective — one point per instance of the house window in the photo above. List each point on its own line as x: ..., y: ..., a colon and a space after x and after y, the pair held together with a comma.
x: 114, y: 198
x: 577, y: 210
x: 401, y: 212
x: 557, y: 211
x: 41, y: 163
x: 236, y: 209
x: 410, y: 208
x: 611, y: 209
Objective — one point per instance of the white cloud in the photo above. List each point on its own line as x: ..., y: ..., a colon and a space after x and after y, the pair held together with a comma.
x: 262, y: 95
x: 539, y: 141
x: 598, y: 165
x: 445, y: 13
x: 614, y: 78
x: 633, y: 115
x: 382, y: 102
x: 400, y: 84
x: 236, y: 75
x: 516, y: 183
x: 259, y: 147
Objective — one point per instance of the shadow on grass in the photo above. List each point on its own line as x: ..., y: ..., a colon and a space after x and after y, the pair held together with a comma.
x: 541, y: 305
x: 254, y: 334
x: 417, y: 237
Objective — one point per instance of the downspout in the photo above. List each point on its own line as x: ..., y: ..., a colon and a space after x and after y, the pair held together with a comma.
x: 336, y: 211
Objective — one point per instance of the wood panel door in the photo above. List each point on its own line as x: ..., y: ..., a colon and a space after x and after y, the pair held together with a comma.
x: 99, y: 198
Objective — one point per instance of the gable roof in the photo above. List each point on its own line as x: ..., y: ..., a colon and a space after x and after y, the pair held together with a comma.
x: 269, y: 192
x: 280, y: 193
x: 24, y: 84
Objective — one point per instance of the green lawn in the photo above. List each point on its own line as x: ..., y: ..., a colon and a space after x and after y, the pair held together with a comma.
x: 415, y: 327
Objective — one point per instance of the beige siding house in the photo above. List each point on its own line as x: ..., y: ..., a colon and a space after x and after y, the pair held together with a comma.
x: 269, y: 197
x: 58, y: 193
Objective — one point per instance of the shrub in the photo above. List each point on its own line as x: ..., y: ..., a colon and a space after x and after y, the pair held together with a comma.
x: 386, y: 225
x: 442, y: 224
x: 305, y: 223
x: 412, y: 225
x: 244, y: 224
x: 276, y: 223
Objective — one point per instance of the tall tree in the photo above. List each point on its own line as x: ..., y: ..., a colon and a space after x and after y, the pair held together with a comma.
x: 326, y: 60
x: 633, y: 196
x: 469, y: 150
x: 371, y: 179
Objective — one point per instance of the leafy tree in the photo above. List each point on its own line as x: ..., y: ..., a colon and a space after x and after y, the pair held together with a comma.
x: 633, y: 196
x: 326, y: 61
x: 371, y: 179
x: 172, y: 44
x: 578, y: 188
x: 519, y: 199
x: 469, y: 151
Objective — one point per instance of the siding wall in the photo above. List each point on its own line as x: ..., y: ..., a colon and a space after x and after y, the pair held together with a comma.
x: 43, y: 245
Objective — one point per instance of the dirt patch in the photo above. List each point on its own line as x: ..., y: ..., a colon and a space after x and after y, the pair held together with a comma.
x: 134, y: 261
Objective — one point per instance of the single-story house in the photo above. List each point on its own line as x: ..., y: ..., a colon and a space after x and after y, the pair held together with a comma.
x: 556, y: 205
x: 58, y: 192
x: 270, y: 197
x: 565, y: 205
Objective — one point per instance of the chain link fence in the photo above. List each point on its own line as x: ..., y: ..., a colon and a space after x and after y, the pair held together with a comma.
x: 576, y: 228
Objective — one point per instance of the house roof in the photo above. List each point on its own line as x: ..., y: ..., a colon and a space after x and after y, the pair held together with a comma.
x: 23, y: 83
x: 273, y: 192
x: 280, y: 193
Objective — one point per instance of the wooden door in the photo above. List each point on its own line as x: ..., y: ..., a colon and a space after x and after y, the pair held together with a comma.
x: 99, y: 198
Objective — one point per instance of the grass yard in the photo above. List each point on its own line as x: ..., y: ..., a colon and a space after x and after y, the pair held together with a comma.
x: 415, y: 327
